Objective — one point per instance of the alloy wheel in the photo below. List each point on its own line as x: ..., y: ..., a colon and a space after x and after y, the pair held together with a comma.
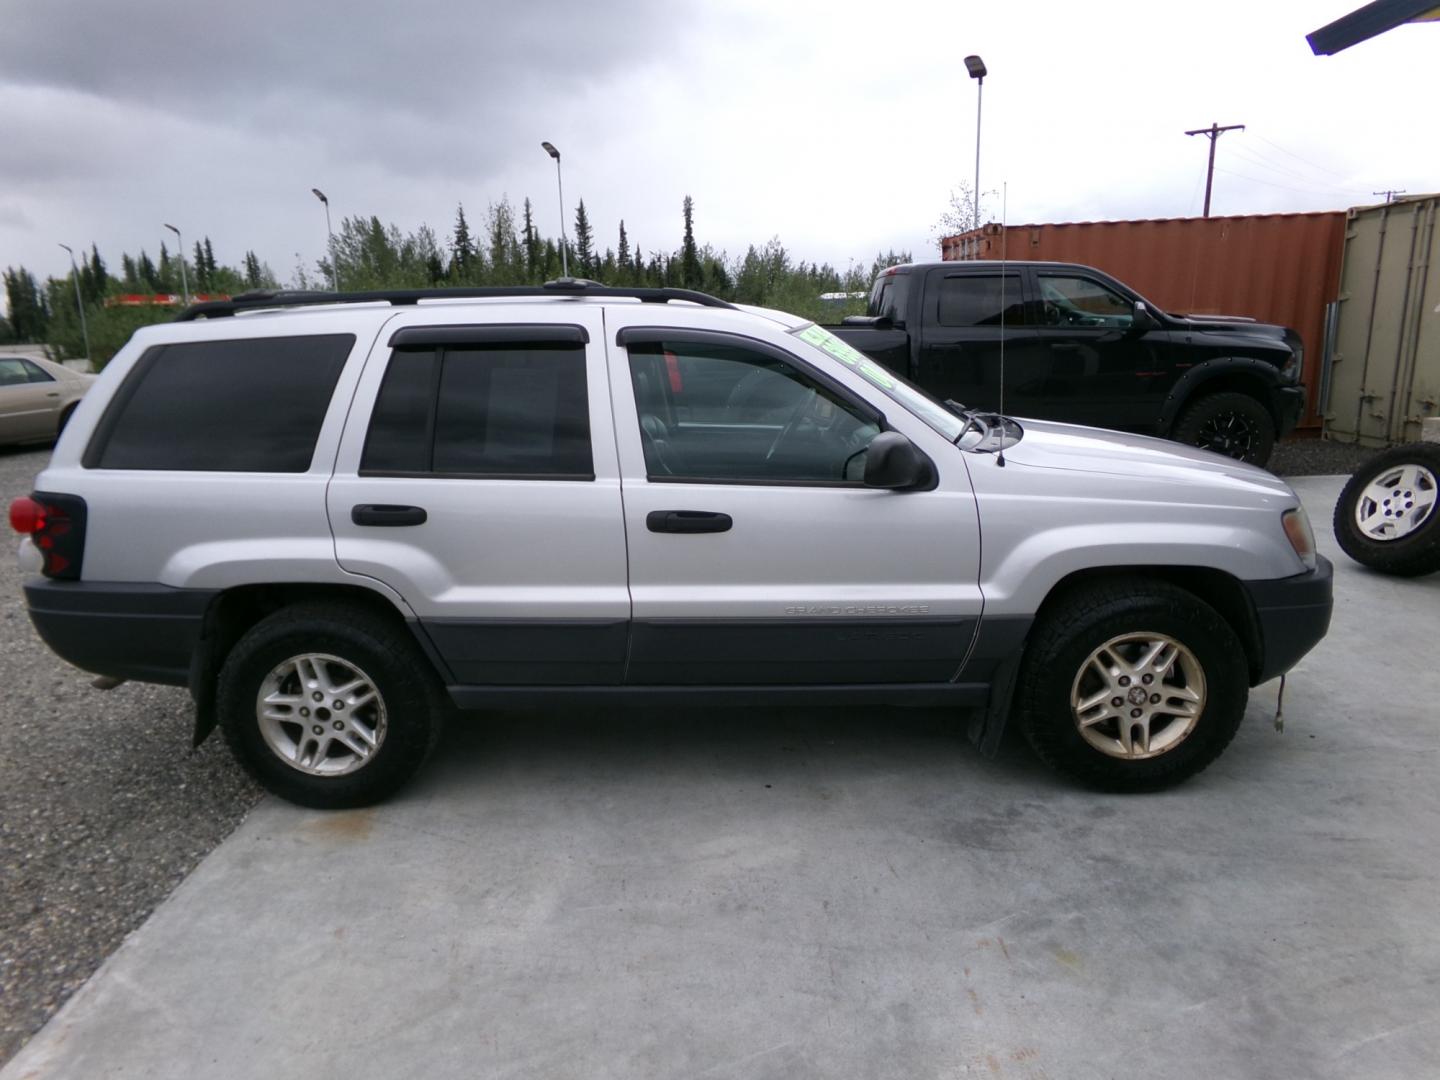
x: 320, y: 714
x: 1396, y: 503
x: 1138, y: 696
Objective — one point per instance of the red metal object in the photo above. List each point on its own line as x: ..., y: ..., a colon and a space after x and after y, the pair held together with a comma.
x: 1279, y: 268
x: 160, y: 299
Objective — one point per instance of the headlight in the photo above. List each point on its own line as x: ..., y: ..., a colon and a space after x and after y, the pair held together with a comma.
x: 1291, y: 369
x: 1300, y: 535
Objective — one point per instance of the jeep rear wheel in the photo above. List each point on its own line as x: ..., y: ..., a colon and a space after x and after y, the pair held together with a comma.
x: 1132, y: 687
x: 1235, y: 425
x: 329, y: 707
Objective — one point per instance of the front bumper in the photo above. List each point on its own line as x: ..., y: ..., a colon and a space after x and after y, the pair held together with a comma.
x: 1289, y: 403
x: 1293, y: 615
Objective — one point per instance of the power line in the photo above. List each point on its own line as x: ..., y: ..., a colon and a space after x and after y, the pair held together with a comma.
x: 1213, y: 132
x: 1346, y: 192
x: 1389, y: 195
x: 1297, y: 157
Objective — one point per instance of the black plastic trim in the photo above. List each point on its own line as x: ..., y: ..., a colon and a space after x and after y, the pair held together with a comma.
x: 995, y: 658
x: 142, y: 632
x: 956, y: 695
x: 846, y: 647
x: 1294, y: 615
x: 550, y: 652
x: 459, y: 336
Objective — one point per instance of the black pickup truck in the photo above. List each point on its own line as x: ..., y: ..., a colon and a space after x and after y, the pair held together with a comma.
x: 1081, y: 347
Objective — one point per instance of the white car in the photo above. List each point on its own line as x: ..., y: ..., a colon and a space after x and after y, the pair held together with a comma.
x: 335, y: 517
x: 36, y: 398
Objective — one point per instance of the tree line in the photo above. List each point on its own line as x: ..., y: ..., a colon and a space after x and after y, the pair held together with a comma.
x: 504, y: 248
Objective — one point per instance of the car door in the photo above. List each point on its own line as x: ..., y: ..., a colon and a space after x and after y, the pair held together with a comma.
x: 477, y: 478
x: 1107, y: 373
x: 30, y: 400
x: 974, y: 326
x: 756, y: 554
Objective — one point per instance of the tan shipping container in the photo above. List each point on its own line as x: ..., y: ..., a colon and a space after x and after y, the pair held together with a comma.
x: 1385, y: 373
x: 1278, y: 268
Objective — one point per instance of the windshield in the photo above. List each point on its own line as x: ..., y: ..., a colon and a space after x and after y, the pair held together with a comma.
x: 912, y: 398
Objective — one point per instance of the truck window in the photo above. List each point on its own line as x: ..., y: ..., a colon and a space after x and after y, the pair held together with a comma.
x: 890, y: 297
x: 979, y: 300
x: 1078, y: 301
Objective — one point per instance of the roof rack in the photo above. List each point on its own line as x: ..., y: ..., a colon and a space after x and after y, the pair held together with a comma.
x: 276, y: 298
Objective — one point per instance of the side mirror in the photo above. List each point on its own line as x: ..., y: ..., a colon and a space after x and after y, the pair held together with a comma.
x: 893, y: 461
x: 875, y: 322
x: 1143, y: 319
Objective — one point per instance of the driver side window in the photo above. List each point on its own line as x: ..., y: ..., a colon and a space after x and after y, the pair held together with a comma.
x: 713, y: 412
x: 1076, y: 301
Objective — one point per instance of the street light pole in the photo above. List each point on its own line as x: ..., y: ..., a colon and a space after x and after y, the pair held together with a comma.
x: 79, y: 304
x: 976, y: 67
x: 564, y: 243
x: 184, y: 281
x: 334, y: 270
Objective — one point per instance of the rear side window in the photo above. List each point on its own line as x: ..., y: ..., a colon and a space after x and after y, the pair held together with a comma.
x: 980, y: 300
x: 249, y: 405
x: 503, y: 411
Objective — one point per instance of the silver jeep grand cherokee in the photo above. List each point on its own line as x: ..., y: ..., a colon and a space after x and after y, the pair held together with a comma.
x: 336, y: 517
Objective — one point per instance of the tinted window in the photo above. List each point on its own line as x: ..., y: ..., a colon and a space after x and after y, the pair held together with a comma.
x: 1075, y: 301
x: 732, y: 413
x: 254, y: 405
x: 890, y: 297
x: 505, y: 410
x: 980, y: 300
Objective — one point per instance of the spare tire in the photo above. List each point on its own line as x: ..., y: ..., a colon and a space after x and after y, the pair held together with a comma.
x: 1387, y: 518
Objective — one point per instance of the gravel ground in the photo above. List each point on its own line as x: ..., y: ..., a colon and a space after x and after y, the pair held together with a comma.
x: 104, y: 808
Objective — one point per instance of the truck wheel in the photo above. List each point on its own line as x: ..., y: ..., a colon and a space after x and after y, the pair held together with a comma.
x: 1235, y: 425
x: 1132, y: 686
x: 1386, y: 518
x: 329, y: 707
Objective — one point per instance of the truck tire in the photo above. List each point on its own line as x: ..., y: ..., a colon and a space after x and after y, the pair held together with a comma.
x: 1132, y: 686
x: 1232, y: 424
x: 328, y: 706
x: 1387, y: 518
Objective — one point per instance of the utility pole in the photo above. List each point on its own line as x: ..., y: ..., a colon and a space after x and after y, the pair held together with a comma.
x: 1214, y: 131
x: 1389, y: 195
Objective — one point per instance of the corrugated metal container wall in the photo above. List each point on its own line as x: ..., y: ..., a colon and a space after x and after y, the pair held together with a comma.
x: 1280, y: 268
x: 1385, y: 376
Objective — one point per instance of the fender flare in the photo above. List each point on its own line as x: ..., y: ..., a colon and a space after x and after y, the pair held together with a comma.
x: 1264, y: 374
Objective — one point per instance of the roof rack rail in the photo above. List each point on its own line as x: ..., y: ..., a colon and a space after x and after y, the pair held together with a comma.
x: 277, y: 298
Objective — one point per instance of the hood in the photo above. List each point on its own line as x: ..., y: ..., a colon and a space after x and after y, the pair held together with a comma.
x: 1070, y: 447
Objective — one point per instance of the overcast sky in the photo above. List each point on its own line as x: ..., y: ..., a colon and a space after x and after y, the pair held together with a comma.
x: 839, y: 127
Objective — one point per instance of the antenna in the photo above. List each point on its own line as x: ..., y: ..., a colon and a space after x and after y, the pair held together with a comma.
x: 1004, y: 313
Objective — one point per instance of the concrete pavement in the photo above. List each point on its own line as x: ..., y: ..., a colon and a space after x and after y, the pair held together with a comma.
x: 766, y: 894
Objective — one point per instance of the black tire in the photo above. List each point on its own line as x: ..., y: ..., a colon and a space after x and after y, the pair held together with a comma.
x: 1056, y: 663
x: 1235, y: 425
x: 408, y: 691
x: 1404, y: 554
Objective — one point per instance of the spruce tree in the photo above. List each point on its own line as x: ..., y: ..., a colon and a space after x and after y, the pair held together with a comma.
x: 462, y: 250
x: 533, y: 252
x: 690, y: 271
x: 202, y: 275
x: 99, y: 278
x: 253, y: 278
x: 584, y: 243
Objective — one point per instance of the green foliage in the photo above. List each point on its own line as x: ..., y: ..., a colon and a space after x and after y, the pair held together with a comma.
x: 369, y: 254
x: 29, y: 315
x: 584, y: 244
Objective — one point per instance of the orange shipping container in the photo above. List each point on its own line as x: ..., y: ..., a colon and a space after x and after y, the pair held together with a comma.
x: 1279, y: 268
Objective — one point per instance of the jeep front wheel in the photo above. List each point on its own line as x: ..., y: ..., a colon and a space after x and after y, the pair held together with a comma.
x: 1235, y: 425
x: 328, y: 707
x: 1132, y: 687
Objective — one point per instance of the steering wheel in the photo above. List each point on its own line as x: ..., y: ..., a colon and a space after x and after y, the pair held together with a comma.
x: 790, y: 422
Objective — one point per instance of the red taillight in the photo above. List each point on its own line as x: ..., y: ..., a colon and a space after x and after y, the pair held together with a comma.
x: 26, y: 515
x: 56, y: 526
